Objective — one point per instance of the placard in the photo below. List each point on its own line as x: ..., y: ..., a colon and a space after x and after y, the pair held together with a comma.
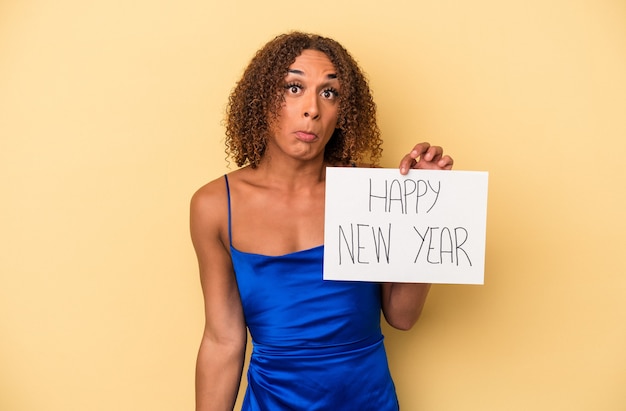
x: 428, y: 226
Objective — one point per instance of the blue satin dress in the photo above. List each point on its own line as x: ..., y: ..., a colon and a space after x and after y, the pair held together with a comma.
x: 317, y: 345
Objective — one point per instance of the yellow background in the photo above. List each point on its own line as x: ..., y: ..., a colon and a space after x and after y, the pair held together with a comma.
x: 110, y: 117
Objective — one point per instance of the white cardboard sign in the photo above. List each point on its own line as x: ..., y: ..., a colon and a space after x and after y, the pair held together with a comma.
x: 426, y: 227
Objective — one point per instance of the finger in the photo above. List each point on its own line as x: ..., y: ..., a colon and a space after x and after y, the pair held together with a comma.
x: 419, y: 150
x: 434, y: 153
x: 446, y: 162
x: 406, y: 163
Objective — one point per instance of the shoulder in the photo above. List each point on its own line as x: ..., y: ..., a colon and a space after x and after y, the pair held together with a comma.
x: 208, y: 211
x: 214, y: 194
x: 209, y: 196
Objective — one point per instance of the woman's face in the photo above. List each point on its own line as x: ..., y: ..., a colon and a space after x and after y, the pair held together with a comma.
x: 308, y: 116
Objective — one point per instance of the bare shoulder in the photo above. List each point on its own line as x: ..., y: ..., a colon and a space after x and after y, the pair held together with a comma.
x: 209, y: 210
x: 209, y: 194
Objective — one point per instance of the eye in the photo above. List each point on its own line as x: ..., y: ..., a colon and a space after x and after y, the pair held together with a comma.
x: 330, y: 93
x: 293, y: 88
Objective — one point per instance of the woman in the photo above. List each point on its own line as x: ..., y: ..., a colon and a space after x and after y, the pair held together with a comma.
x: 302, y: 104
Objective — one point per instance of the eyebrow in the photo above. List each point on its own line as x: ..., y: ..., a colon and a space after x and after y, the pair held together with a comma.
x: 301, y: 73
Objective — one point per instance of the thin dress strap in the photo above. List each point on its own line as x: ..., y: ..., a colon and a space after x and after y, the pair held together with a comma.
x: 230, y: 237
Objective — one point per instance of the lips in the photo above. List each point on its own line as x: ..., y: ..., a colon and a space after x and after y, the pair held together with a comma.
x: 306, y: 136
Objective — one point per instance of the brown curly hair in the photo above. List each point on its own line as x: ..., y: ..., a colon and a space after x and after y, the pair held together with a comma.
x: 256, y: 99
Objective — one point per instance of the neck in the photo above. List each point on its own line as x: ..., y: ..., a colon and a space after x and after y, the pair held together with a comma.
x: 292, y: 175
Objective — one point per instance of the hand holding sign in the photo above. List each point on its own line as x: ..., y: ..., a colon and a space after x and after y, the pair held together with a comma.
x: 426, y: 226
x: 426, y: 157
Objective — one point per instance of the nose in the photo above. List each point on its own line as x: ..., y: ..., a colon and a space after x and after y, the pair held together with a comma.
x: 311, y: 106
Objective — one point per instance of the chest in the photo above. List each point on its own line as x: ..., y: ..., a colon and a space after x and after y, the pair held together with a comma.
x: 277, y: 223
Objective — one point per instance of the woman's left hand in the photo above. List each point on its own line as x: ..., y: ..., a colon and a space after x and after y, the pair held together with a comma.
x: 425, y: 156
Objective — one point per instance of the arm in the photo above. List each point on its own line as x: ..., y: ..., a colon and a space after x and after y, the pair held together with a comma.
x: 222, y: 349
x: 402, y: 303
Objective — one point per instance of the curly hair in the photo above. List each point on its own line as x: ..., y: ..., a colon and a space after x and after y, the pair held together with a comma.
x: 255, y: 102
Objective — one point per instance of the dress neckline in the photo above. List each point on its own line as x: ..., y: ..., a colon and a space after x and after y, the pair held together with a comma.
x: 293, y: 253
